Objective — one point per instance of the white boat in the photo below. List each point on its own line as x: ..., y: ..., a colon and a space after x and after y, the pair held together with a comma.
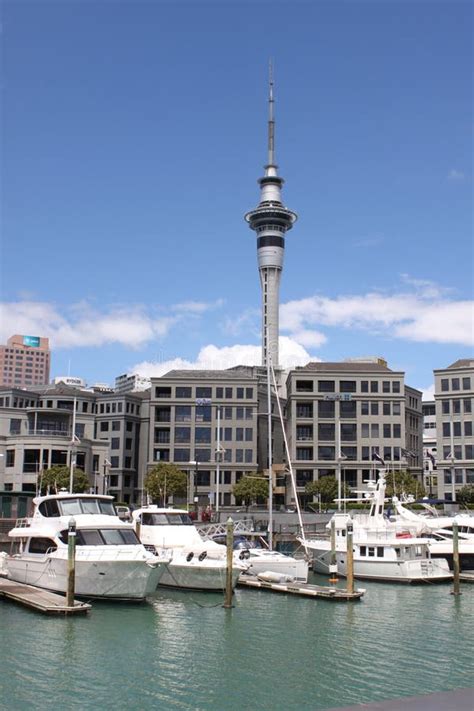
x: 439, y: 532
x: 261, y: 560
x: 111, y: 563
x: 194, y: 564
x: 382, y: 549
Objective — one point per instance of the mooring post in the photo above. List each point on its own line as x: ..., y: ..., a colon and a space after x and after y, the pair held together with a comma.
x: 230, y: 557
x: 71, y: 562
x: 350, y: 558
x: 332, y: 561
x: 456, y: 566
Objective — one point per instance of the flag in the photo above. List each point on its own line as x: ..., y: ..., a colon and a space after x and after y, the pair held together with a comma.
x: 377, y: 458
x: 431, y: 457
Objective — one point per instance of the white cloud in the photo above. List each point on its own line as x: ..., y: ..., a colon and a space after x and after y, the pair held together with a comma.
x: 214, y: 358
x: 421, y: 316
x: 456, y: 174
x: 81, y: 325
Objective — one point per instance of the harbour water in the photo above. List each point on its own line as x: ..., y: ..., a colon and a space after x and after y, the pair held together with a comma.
x: 183, y: 651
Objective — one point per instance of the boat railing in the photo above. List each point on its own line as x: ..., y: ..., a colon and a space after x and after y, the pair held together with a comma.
x: 219, y: 529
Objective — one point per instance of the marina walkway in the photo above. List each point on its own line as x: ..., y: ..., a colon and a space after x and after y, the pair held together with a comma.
x: 458, y: 700
x: 44, y: 601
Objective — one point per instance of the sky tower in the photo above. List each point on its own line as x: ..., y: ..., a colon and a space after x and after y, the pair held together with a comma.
x: 270, y: 220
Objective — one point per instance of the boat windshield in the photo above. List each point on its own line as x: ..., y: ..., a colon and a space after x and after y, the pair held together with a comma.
x: 165, y: 519
x: 74, y: 507
x: 240, y: 542
x: 103, y: 537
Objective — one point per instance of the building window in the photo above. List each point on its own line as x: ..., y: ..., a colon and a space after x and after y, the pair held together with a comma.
x: 444, y: 385
x: 374, y: 386
x: 162, y: 391
x: 203, y: 413
x: 182, y: 413
x: 249, y: 393
x: 396, y: 386
x: 115, y: 443
x: 455, y: 383
x: 326, y: 432
x: 104, y: 426
x: 202, y: 455
x: 349, y: 453
x: 228, y: 393
x: 303, y: 476
x: 182, y: 392
x: 128, y: 462
x: 347, y: 386
x: 364, y: 432
x: 348, y: 409
x: 10, y: 458
x: 304, y: 453
x: 240, y: 394
x: 364, y: 407
x: 326, y: 386
x: 325, y: 453
x: 304, y: 386
x: 326, y: 409
x: 204, y: 392
x: 456, y: 407
x: 203, y: 478
x: 397, y: 431
x: 396, y: 408
x: 386, y: 386
x: 466, y: 383
x: 181, y: 455
x: 248, y: 456
x: 364, y: 386
x: 374, y: 429
x: 128, y: 443
x: 374, y: 408
x: 203, y: 435
x: 304, y: 433
x: 182, y: 435
x: 304, y: 409
x: 348, y: 432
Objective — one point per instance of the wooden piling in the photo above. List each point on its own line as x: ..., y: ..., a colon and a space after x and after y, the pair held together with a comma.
x: 71, y: 562
x: 230, y: 560
x: 456, y: 566
x: 350, y: 558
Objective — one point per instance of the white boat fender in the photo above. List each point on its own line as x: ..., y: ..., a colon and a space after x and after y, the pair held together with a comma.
x: 3, y: 564
x: 270, y: 576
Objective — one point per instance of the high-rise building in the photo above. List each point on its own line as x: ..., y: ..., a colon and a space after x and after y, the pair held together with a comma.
x: 25, y: 361
x: 271, y: 220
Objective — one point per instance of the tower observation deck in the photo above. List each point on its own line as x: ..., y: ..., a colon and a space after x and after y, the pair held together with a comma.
x: 270, y: 220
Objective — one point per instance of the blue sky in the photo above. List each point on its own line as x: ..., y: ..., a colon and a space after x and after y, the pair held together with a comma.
x: 133, y: 137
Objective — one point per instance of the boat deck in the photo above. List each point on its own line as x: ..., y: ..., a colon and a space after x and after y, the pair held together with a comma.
x: 44, y: 601
x: 303, y: 589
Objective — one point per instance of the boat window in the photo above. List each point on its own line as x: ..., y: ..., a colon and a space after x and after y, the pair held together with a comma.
x: 166, y: 519
x: 41, y: 545
x: 371, y: 551
x: 379, y: 551
x: 397, y: 552
x: 49, y: 508
x: 89, y: 538
x: 419, y: 551
x: 105, y: 537
x: 73, y: 507
x: 363, y: 550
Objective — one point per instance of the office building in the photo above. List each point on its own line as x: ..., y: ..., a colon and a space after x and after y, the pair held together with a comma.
x: 24, y: 361
x: 454, y: 396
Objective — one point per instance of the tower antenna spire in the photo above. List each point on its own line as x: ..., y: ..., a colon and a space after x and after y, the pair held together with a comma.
x: 271, y: 117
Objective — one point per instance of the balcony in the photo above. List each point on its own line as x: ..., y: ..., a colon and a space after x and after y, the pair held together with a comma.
x: 48, y: 433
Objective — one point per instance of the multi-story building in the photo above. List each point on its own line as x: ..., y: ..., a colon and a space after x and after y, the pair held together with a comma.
x: 36, y: 433
x: 126, y: 383
x: 454, y: 396
x: 205, y: 421
x: 340, y: 414
x: 24, y: 361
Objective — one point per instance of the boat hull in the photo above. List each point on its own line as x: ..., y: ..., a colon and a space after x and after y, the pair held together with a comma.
x: 189, y: 576
x: 409, y: 571
x: 296, y: 568
x: 128, y: 579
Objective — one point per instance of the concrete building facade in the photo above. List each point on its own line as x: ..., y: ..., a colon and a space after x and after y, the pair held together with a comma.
x: 339, y: 414
x: 25, y: 361
x: 454, y: 398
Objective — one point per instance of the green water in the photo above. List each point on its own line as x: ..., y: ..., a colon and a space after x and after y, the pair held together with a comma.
x: 183, y: 651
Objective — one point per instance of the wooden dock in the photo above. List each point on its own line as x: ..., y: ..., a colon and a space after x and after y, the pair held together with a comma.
x: 302, y: 589
x: 49, y: 603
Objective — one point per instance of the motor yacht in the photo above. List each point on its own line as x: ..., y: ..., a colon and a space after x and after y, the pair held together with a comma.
x: 382, y: 549
x: 194, y: 564
x: 110, y: 561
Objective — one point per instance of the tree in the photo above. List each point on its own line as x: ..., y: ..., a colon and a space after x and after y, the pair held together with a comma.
x: 250, y: 488
x: 58, y: 477
x: 165, y: 480
x: 405, y: 483
x: 327, y: 487
x: 465, y: 495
